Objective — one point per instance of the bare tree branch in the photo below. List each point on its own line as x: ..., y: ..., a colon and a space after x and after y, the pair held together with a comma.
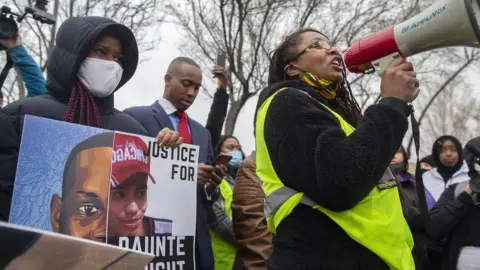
x: 439, y: 91
x: 248, y: 30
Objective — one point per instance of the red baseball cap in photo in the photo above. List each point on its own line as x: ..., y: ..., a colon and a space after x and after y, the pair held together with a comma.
x: 128, y: 158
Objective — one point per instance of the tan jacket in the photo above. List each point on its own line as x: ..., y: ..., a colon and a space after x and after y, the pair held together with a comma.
x: 249, y: 224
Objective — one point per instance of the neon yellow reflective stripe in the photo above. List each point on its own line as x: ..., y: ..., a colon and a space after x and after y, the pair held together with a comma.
x: 347, y: 128
x: 376, y: 222
x: 224, y: 252
x: 227, y: 195
x: 265, y: 169
x: 266, y: 172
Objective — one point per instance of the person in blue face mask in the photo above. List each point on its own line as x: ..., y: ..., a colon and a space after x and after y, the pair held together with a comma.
x: 219, y: 215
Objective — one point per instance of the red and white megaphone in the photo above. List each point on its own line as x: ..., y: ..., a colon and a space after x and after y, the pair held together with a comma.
x: 446, y: 23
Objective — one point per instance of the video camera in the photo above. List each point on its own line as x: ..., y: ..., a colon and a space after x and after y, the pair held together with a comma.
x: 472, y: 151
x: 8, y: 26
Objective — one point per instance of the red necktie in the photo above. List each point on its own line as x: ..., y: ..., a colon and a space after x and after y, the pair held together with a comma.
x: 183, y: 127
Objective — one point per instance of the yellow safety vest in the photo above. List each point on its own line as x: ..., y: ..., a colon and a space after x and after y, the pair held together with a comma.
x: 377, y: 222
x: 224, y: 252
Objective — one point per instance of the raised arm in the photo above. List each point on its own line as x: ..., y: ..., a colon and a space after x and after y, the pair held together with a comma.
x: 26, y: 65
x: 312, y: 154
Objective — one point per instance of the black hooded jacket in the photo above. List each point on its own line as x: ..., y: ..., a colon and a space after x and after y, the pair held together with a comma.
x: 456, y: 215
x: 73, y: 42
x: 311, y: 153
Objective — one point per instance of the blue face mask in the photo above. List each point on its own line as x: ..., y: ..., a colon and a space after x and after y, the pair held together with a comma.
x: 236, y: 160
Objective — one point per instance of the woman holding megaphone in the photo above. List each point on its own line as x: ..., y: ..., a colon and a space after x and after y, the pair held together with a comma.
x: 330, y: 199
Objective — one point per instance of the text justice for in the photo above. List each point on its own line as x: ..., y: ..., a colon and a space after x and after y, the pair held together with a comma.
x: 178, y: 153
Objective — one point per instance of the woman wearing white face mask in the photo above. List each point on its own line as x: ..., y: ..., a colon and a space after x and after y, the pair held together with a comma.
x: 219, y: 217
x: 92, y: 58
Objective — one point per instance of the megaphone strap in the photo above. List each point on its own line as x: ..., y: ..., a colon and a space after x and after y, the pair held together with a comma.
x: 422, y: 199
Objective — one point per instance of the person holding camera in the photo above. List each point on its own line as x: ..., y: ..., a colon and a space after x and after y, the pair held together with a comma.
x: 456, y: 216
x: 26, y: 65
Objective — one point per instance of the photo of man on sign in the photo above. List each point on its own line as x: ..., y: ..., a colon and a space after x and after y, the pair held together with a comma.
x: 81, y: 210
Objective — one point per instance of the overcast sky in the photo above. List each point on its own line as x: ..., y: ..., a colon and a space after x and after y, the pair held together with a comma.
x: 147, y: 85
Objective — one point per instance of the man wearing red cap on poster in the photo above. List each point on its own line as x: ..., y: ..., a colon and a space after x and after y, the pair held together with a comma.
x: 128, y: 192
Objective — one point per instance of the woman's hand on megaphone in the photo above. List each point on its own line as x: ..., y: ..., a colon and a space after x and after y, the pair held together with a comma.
x: 399, y: 80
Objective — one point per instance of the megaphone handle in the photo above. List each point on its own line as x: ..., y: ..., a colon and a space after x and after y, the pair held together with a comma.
x: 381, y: 64
x: 415, y: 94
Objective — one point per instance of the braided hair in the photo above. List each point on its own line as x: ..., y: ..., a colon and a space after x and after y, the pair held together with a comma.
x: 82, y: 108
x: 344, y: 102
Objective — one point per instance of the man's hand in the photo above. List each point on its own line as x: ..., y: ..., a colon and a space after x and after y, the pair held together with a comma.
x: 13, y: 42
x: 208, y: 174
x: 399, y: 80
x: 220, y: 73
x: 218, y: 174
x: 205, y: 174
x: 168, y: 138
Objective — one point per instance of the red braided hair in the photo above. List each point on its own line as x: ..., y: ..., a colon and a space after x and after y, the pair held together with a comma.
x: 88, y: 113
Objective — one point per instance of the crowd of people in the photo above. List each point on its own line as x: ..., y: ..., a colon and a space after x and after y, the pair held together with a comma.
x: 327, y: 187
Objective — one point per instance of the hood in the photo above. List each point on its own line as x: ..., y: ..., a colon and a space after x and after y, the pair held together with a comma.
x: 447, y: 172
x: 472, y: 152
x: 74, y: 39
x: 401, y: 167
x: 429, y: 159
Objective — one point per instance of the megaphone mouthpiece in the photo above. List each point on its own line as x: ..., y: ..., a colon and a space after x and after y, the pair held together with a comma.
x: 360, y: 55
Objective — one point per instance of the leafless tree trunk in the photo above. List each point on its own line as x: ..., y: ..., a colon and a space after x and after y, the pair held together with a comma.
x: 53, y: 29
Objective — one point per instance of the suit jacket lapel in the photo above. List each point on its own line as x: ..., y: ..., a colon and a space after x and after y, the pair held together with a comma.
x: 195, y: 139
x: 161, y: 116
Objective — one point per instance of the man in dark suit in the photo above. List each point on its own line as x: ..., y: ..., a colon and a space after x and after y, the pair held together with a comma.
x: 182, y: 83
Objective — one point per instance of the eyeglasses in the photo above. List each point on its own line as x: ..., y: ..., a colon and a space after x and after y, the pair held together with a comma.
x: 319, y: 44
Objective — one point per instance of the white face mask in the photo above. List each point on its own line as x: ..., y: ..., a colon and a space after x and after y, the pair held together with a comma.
x: 100, y: 77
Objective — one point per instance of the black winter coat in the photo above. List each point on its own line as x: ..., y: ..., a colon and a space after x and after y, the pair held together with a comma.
x: 310, y: 153
x: 408, y: 191
x: 73, y: 42
x: 458, y: 219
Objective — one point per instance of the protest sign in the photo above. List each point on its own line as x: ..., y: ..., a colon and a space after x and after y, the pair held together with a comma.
x: 111, y: 187
x: 27, y: 248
